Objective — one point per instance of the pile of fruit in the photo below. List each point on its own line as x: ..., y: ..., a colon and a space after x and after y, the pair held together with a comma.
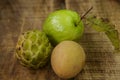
x: 58, y: 44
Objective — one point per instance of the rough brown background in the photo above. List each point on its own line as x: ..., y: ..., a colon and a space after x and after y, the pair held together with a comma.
x: 17, y: 16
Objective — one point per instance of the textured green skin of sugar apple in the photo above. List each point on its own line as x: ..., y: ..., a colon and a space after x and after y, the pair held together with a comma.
x: 33, y: 49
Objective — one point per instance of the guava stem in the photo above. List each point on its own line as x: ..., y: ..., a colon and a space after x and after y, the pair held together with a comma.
x: 86, y: 12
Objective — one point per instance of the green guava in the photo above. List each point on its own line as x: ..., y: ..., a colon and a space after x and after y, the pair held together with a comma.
x: 63, y: 25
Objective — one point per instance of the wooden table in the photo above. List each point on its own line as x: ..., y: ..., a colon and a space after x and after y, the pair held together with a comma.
x: 17, y: 16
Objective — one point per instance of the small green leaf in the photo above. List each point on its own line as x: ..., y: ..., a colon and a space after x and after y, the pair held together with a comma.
x: 104, y: 25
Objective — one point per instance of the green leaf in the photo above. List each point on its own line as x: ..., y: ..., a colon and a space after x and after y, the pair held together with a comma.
x: 104, y: 25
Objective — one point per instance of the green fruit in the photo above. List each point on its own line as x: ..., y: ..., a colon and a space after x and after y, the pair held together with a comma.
x: 63, y: 25
x: 33, y: 49
x: 68, y: 59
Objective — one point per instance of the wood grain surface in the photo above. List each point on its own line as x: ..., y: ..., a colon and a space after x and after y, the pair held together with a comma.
x: 17, y: 16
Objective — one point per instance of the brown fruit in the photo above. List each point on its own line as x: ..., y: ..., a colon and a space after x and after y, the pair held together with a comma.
x: 67, y: 59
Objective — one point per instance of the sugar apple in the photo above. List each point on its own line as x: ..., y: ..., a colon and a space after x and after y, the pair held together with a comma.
x: 33, y: 49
